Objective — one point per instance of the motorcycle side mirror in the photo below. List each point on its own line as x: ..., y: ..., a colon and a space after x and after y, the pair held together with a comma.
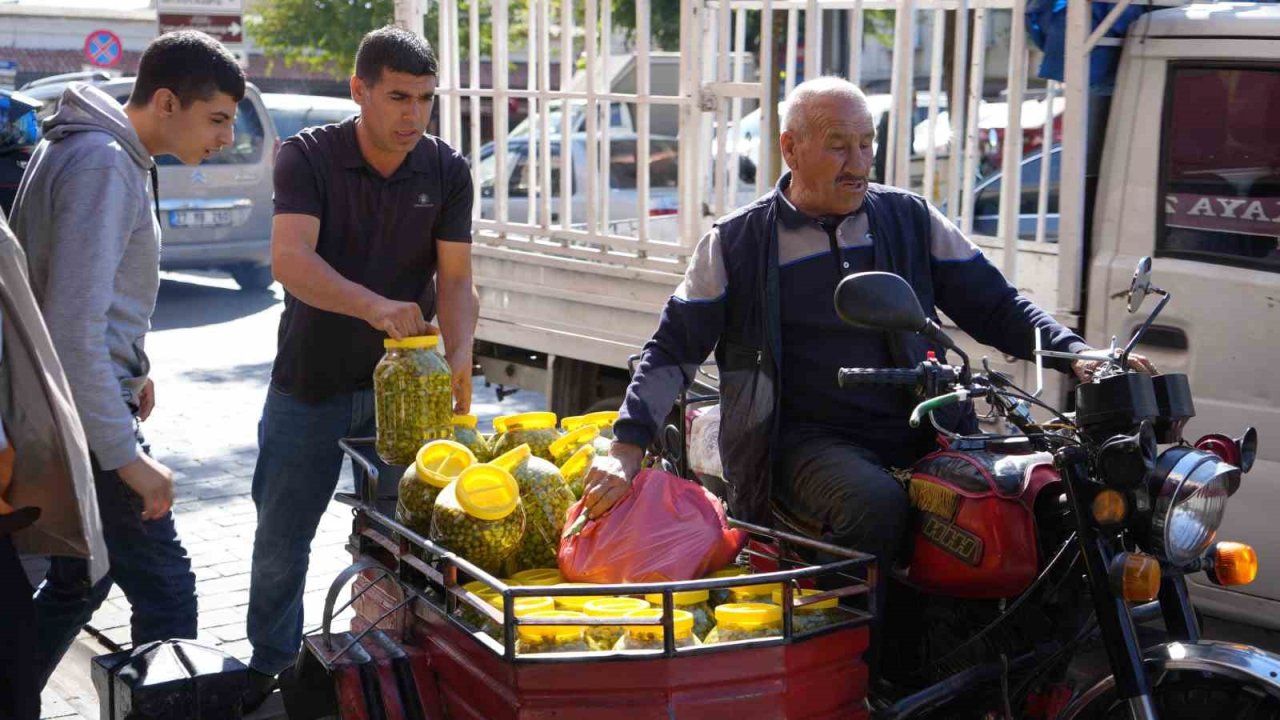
x: 1140, y: 285
x: 884, y: 301
x: 879, y: 301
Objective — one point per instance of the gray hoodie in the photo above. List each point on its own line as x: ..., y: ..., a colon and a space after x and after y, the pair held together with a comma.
x: 84, y: 213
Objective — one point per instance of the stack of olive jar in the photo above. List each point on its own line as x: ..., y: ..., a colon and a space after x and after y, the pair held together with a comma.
x: 501, y: 502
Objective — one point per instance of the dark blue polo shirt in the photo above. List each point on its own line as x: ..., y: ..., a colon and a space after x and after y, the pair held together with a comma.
x: 375, y: 231
x: 816, y: 343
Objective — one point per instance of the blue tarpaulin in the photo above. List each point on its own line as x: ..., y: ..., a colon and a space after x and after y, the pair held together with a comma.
x: 1047, y: 27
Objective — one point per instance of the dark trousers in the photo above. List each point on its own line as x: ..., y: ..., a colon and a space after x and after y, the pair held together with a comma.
x: 846, y: 489
x: 147, y: 561
x: 19, y: 684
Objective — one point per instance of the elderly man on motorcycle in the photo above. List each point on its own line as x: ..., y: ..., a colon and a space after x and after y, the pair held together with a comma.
x: 758, y: 291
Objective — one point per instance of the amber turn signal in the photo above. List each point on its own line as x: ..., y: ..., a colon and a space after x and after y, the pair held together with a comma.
x: 1233, y: 564
x: 1109, y: 507
x: 1135, y: 576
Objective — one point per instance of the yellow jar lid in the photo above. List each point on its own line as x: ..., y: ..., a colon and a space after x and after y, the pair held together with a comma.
x: 439, y: 462
x: 603, y: 419
x: 479, y: 587
x: 487, y: 492
x: 500, y: 423
x: 752, y: 593
x: 562, y: 633
x: 468, y: 421
x: 803, y: 593
x: 512, y: 458
x: 576, y: 602
x: 537, y: 576
x: 614, y: 607
x: 417, y: 342
x: 748, y: 615
x: 684, y: 597
x: 524, y: 605
x: 731, y: 571
x: 574, y: 438
x: 579, y: 461
x: 529, y: 421
x: 681, y: 620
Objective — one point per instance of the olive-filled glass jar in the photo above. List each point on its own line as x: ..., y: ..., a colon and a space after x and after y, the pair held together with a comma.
x: 567, y: 444
x: 603, y: 420
x: 413, y: 398
x: 694, y: 602
x: 813, y: 616
x: 745, y: 621
x: 535, y: 429
x: 465, y: 432
x: 650, y: 637
x: 546, y: 502
x: 551, y: 638
x: 604, y: 637
x: 720, y: 596
x: 468, y: 614
x: 576, y: 468
x: 753, y: 593
x: 523, y: 606
x: 480, y: 516
x: 437, y: 464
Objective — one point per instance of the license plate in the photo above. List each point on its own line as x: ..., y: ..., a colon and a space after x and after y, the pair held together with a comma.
x: 200, y: 218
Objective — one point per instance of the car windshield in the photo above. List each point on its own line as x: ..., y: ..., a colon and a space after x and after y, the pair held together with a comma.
x: 245, y: 149
x: 18, y: 124
x: 293, y: 120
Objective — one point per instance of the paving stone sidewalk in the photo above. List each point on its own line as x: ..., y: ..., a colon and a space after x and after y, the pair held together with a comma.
x: 211, y: 350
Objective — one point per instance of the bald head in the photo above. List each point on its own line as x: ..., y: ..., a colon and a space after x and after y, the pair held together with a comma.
x: 817, y: 96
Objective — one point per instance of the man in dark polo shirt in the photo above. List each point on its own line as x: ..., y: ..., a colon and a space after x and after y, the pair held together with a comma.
x: 372, y: 224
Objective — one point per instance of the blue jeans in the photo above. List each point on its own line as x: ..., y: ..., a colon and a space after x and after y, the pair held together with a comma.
x: 147, y: 561
x: 297, y: 472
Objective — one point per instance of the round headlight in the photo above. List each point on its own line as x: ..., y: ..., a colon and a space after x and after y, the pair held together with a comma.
x: 1189, y: 490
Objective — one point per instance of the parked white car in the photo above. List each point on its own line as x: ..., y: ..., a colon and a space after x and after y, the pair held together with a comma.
x: 623, y: 197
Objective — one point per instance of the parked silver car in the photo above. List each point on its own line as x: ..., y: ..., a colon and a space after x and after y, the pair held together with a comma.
x: 292, y: 113
x: 217, y: 215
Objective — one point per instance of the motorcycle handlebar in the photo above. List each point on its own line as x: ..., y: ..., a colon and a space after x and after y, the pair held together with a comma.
x: 851, y: 377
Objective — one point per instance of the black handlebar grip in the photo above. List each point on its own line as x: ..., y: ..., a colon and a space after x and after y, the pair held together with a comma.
x: 850, y: 377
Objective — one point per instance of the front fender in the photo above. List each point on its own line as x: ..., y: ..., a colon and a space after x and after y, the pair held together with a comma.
x: 1242, y: 663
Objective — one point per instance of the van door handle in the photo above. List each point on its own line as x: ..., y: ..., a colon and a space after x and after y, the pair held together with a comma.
x: 1164, y: 337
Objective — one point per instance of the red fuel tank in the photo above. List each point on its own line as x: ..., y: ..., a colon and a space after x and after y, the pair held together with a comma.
x: 974, y: 526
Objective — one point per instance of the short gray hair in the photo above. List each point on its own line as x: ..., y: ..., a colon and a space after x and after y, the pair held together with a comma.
x: 800, y: 101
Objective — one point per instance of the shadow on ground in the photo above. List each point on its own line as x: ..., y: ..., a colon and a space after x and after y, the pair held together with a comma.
x: 191, y: 304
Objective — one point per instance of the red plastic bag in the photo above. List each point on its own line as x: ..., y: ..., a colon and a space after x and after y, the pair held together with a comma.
x: 666, y: 528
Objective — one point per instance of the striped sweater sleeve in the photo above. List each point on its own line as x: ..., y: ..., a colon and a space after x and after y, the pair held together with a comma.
x: 688, y: 330
x: 973, y: 293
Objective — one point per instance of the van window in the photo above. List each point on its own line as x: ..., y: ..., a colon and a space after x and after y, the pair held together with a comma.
x: 663, y: 167
x: 246, y: 149
x: 1221, y: 167
x: 520, y: 179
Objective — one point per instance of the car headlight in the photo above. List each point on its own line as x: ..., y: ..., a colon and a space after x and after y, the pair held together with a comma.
x: 1189, y: 489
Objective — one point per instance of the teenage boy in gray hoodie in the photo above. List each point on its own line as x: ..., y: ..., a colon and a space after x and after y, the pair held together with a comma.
x: 87, y: 215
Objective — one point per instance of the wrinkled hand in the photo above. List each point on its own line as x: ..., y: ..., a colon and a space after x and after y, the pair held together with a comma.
x: 153, y: 482
x: 610, y: 478
x: 1084, y: 369
x: 460, y: 363
x: 146, y: 400
x: 399, y: 319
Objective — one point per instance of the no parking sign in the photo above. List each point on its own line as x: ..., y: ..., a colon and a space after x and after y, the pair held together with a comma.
x: 102, y: 48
